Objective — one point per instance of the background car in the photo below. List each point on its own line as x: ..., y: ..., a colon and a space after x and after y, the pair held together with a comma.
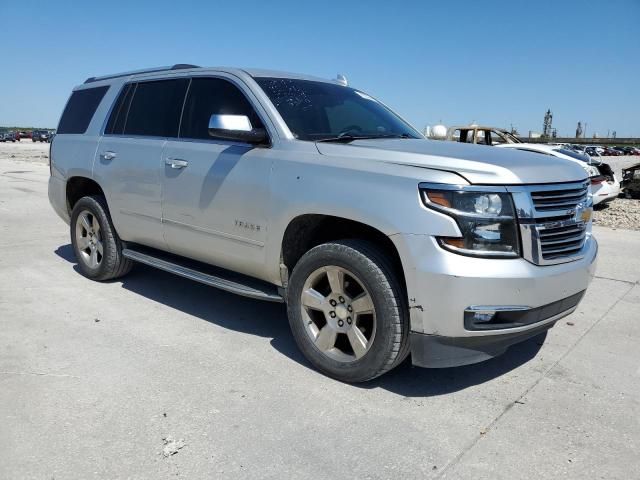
x: 604, y: 184
x: 611, y: 152
x: 8, y: 137
x: 622, y: 150
x: 40, y: 136
x: 631, y: 181
x: 481, y: 135
x: 629, y: 150
x: 593, y: 153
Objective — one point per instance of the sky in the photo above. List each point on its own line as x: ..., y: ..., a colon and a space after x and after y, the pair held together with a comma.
x: 501, y: 63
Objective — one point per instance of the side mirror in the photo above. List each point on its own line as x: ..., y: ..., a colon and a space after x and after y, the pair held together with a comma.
x: 236, y: 128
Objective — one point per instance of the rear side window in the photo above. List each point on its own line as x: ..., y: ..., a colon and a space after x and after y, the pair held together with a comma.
x: 115, y: 125
x: 155, y: 108
x: 208, y: 96
x: 80, y: 109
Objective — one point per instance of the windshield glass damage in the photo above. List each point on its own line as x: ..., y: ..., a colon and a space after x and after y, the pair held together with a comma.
x: 325, y: 111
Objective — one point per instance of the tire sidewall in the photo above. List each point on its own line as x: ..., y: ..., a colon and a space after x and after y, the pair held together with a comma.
x: 384, y: 301
x: 91, y: 205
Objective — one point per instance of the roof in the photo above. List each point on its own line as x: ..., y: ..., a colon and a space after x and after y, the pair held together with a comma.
x: 253, y: 72
x: 257, y: 73
x: 177, y: 66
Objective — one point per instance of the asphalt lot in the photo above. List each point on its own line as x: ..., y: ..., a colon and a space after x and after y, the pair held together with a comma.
x: 94, y: 376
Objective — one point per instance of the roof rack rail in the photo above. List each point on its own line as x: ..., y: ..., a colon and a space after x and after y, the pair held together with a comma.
x: 177, y: 66
x: 182, y: 66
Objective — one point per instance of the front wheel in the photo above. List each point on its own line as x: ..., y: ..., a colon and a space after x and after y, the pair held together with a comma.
x: 347, y: 310
x: 95, y: 242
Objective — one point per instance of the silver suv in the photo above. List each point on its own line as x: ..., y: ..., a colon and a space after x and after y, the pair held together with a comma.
x: 295, y: 189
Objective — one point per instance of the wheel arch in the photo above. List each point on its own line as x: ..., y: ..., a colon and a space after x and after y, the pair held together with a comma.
x: 78, y: 187
x: 310, y: 230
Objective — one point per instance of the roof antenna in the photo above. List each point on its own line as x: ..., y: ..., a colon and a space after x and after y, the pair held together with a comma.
x: 342, y: 80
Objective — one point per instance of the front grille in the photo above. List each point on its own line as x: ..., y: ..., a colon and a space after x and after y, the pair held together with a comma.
x: 551, y: 225
x: 551, y: 200
x: 559, y: 242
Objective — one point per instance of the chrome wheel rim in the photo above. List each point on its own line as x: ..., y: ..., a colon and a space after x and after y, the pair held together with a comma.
x: 89, y: 239
x: 338, y: 314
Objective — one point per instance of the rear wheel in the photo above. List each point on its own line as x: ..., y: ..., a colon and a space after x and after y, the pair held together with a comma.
x: 95, y: 242
x: 347, y: 311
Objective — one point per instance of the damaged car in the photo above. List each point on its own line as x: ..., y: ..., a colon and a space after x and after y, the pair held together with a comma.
x: 604, y: 184
x: 630, y: 184
x: 481, y: 135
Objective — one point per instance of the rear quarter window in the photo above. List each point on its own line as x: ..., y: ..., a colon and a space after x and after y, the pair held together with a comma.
x: 80, y: 110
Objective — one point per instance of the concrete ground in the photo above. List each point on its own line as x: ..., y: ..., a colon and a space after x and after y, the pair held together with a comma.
x: 96, y: 379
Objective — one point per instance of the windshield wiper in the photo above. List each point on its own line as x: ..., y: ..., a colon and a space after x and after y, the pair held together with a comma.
x: 346, y: 138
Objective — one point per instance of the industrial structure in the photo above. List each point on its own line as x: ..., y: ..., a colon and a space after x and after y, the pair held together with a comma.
x: 546, y: 127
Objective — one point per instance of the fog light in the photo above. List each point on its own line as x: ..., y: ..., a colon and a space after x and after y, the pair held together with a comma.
x: 489, y: 317
x: 483, y: 317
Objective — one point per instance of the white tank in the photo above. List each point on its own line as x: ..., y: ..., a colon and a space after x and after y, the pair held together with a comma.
x: 438, y: 132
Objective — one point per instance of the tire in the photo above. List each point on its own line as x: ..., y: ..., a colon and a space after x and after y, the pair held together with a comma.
x: 95, y: 242
x: 384, y: 330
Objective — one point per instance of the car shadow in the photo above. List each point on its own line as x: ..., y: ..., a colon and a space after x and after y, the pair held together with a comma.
x: 410, y: 381
x: 269, y: 320
x: 217, y: 174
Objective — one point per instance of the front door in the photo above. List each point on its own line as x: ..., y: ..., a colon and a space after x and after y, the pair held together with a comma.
x: 216, y: 193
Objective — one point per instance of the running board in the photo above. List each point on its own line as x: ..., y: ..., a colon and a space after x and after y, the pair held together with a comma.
x: 252, y: 288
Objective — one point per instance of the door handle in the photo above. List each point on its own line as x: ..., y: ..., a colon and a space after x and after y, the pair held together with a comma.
x: 108, y: 155
x: 176, y: 162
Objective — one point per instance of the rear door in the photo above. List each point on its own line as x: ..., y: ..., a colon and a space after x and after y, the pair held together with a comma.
x: 129, y: 160
x: 216, y: 192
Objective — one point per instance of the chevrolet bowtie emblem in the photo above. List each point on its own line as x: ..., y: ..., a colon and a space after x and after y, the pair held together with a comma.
x: 582, y: 213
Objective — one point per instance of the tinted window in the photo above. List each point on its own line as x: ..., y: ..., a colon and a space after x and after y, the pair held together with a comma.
x: 80, y: 109
x: 155, y: 108
x: 208, y: 96
x: 318, y: 110
x: 115, y: 125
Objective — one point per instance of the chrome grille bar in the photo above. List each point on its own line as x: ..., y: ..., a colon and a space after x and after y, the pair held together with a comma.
x: 551, y: 226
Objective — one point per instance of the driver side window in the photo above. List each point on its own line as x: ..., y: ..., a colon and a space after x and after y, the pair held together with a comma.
x: 208, y: 96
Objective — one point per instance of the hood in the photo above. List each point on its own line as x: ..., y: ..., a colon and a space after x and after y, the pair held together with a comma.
x: 479, y: 164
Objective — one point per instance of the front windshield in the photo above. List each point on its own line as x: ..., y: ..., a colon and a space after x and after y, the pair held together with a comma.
x: 573, y: 154
x: 320, y: 110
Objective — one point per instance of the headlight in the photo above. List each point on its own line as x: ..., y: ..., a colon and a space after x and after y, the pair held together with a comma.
x: 487, y: 221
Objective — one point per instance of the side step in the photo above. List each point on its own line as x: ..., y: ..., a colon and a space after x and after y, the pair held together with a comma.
x: 240, y: 285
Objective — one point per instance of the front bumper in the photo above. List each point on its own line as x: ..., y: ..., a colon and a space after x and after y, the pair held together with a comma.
x: 441, y: 286
x: 436, y: 351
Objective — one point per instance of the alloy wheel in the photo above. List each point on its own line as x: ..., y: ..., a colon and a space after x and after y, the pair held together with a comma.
x: 339, y: 314
x: 89, y: 239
